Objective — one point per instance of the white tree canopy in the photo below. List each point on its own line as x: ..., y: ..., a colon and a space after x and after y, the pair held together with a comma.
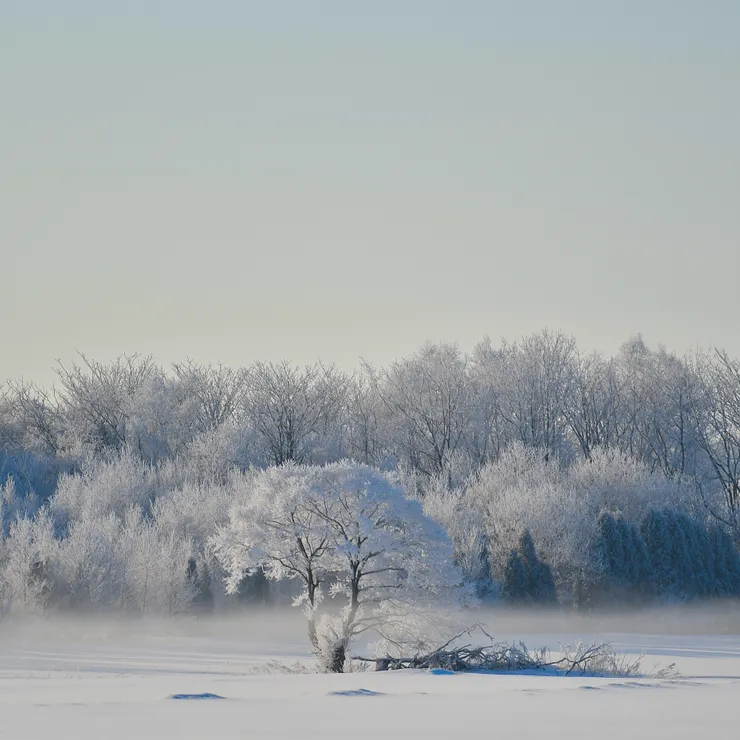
x: 347, y: 531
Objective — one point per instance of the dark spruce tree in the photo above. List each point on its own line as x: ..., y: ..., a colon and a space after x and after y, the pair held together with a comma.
x: 726, y: 562
x: 516, y: 586
x: 656, y: 533
x: 609, y: 556
x: 641, y: 573
x: 528, y: 580
x: 689, y: 559
x: 621, y: 566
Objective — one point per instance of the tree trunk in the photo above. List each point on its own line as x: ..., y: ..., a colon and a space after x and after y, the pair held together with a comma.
x: 338, y: 656
x: 312, y: 636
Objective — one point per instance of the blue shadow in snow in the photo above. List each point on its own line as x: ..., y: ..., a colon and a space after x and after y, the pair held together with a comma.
x: 197, y: 697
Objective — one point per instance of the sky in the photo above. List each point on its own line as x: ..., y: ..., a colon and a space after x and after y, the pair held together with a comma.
x: 234, y: 181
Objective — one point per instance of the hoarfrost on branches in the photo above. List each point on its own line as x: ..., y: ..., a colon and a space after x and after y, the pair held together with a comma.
x: 346, y: 532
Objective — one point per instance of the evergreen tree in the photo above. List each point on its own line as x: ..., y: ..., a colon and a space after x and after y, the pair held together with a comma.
x: 544, y: 590
x: 656, y: 534
x: 621, y: 561
x: 726, y: 562
x: 688, y: 559
x: 722, y: 577
x: 526, y: 578
x: 640, y: 568
x: 484, y: 583
x: 681, y: 565
x: 628, y: 570
x: 611, y: 559
x: 699, y: 581
x: 516, y: 586
x: 733, y: 565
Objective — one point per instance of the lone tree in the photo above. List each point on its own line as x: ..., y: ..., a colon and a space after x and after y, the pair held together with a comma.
x: 347, y: 531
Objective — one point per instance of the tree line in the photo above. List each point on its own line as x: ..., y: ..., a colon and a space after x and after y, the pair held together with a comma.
x: 511, y: 447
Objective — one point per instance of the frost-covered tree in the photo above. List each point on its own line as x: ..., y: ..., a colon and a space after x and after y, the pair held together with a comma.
x: 154, y: 568
x: 25, y: 582
x: 428, y: 408
x: 294, y: 411
x: 559, y: 505
x: 523, y: 490
x: 659, y: 393
x: 94, y: 399
x: 216, y: 393
x: 347, y: 531
x: 364, y: 414
x: 211, y: 455
x: 36, y: 417
x: 594, y: 408
x: 526, y: 435
x: 391, y: 560
x: 487, y: 433
x: 718, y: 423
x: 536, y: 385
x: 104, y: 486
x: 271, y: 527
x: 461, y: 518
x: 88, y: 570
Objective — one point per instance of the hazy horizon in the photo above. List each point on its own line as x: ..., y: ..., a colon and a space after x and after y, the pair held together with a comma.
x: 46, y: 377
x: 242, y: 181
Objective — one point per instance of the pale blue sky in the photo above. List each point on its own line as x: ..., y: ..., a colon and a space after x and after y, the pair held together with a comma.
x: 239, y: 180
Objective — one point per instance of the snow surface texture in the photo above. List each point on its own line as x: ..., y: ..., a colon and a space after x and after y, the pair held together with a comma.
x: 93, y: 680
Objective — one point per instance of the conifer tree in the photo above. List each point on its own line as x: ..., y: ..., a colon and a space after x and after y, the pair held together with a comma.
x: 516, y: 586
x: 699, y: 580
x: 640, y: 568
x: 657, y: 537
x: 611, y: 565
x: 682, y: 565
x: 526, y: 577
x: 726, y: 562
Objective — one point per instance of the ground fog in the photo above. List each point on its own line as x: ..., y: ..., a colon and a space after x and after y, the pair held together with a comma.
x: 95, y: 678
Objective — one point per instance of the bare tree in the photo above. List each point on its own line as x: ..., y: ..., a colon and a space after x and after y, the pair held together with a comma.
x: 94, y: 398
x: 36, y: 414
x: 594, y: 407
x: 364, y: 434
x: 217, y: 390
x: 656, y: 419
x: 673, y: 440
x: 537, y: 382
x: 293, y: 409
x: 428, y: 404
x: 487, y: 434
x: 719, y: 433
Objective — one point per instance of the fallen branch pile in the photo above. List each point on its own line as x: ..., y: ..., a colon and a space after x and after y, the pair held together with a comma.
x: 597, y: 659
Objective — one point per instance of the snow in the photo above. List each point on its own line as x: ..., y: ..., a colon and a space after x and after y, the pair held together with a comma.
x: 102, y: 680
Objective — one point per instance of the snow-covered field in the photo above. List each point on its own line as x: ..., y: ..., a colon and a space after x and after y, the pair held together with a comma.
x: 103, y: 680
